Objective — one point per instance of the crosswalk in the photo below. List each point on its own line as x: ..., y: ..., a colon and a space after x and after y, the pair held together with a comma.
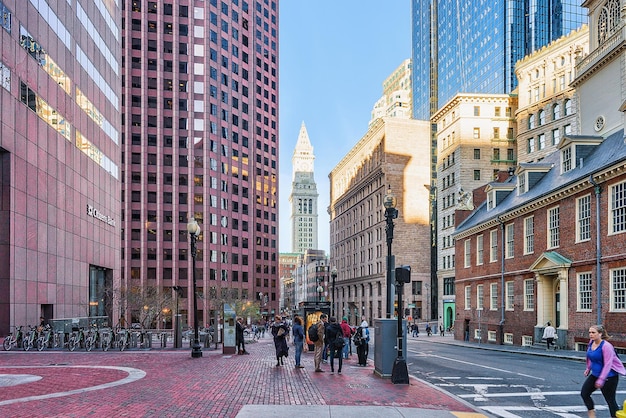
x: 480, y: 390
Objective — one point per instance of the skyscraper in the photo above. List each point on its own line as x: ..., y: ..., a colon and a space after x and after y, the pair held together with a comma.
x: 59, y: 159
x: 475, y: 45
x: 303, y: 198
x: 201, y: 141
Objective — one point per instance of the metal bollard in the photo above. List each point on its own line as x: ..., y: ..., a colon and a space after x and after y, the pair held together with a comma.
x: 163, y: 339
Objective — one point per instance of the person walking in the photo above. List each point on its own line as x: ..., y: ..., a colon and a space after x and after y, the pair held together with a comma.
x: 603, y: 370
x: 298, y: 339
x: 363, y: 349
x: 280, y: 330
x: 548, y: 334
x: 319, y: 344
x: 347, y: 335
x: 335, y: 341
x: 441, y: 330
x: 416, y: 330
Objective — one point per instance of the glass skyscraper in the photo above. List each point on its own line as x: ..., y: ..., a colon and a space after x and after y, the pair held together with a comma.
x: 475, y: 45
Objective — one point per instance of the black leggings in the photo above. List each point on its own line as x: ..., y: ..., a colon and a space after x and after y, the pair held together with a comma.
x: 608, y: 391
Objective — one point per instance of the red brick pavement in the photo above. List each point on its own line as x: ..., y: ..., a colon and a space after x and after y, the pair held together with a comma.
x: 214, y: 385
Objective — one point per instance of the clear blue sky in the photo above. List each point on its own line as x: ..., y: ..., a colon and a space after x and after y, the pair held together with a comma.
x: 334, y: 56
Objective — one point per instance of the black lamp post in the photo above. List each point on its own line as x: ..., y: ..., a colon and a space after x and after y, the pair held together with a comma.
x: 194, y: 230
x: 391, y: 213
x: 333, y: 275
x: 319, y: 289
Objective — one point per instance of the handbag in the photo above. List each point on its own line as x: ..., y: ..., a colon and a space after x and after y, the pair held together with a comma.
x: 281, y: 332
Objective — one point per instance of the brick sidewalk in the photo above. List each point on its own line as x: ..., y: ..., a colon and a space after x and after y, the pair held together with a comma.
x: 177, y: 385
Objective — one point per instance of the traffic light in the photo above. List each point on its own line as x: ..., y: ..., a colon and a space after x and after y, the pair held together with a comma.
x: 403, y: 274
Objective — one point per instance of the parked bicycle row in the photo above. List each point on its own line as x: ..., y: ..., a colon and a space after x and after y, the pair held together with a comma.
x: 43, y: 337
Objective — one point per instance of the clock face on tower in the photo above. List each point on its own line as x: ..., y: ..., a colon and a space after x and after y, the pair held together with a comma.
x: 304, y: 165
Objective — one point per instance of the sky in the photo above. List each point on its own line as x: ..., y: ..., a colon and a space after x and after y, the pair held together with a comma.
x: 333, y: 58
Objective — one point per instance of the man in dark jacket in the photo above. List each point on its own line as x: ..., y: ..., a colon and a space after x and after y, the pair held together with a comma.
x: 239, y: 340
x: 335, y: 342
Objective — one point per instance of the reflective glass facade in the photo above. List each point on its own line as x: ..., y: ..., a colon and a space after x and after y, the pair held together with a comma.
x: 59, y: 159
x: 478, y: 43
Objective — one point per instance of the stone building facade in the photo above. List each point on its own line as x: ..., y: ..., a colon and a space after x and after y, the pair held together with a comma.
x: 475, y: 140
x: 394, y: 154
x: 547, y: 109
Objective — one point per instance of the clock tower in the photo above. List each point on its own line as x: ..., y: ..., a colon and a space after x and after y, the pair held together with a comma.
x: 303, y: 198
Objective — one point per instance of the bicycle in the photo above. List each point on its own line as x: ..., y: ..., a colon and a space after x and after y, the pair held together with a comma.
x: 91, y: 340
x: 44, y: 338
x: 29, y: 341
x: 122, y: 339
x: 105, y: 338
x: 13, y: 340
x: 77, y: 337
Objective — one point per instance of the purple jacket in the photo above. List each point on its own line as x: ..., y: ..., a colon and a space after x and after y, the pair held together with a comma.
x: 611, y: 361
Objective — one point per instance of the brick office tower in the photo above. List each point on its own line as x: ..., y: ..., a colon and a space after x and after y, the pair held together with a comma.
x: 200, y: 140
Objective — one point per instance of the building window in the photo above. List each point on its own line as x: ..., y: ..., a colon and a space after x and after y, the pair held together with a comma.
x: 479, y: 297
x: 491, y: 200
x: 476, y: 110
x: 541, y: 141
x: 496, y: 133
x: 556, y: 111
x: 509, y: 296
x: 479, y: 250
x: 529, y: 295
x: 568, y: 107
x: 493, y: 296
x: 448, y: 285
x: 521, y: 183
x: 476, y: 174
x: 531, y: 122
x: 566, y: 159
x: 556, y: 136
x: 493, y: 245
x: 510, y: 241
x: 496, y: 111
x: 617, y: 216
x: 531, y: 145
x: 618, y: 290
x: 584, y: 292
x: 477, y: 153
x: 476, y: 133
x: 467, y: 261
x: 529, y: 235
x: 542, y: 117
x: 468, y: 297
x: 496, y: 154
x: 583, y: 218
x: 567, y: 129
x: 553, y: 227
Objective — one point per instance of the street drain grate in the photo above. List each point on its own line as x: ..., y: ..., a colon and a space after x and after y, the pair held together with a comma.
x: 358, y: 386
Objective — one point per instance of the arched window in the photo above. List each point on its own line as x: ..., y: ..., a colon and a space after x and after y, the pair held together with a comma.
x: 614, y: 18
x: 556, y: 111
x: 603, y: 25
x: 531, y: 122
x: 542, y: 117
x: 568, y: 107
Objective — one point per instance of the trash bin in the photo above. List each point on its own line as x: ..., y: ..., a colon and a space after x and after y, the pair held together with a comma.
x: 163, y: 339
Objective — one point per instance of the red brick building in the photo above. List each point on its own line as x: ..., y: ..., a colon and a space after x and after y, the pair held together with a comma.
x: 533, y: 252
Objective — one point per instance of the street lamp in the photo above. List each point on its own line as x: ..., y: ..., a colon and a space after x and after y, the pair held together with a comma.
x: 319, y: 289
x: 194, y: 230
x: 391, y: 213
x: 177, y: 335
x: 333, y: 274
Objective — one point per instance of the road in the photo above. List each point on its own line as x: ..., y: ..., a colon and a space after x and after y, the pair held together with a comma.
x: 504, y: 384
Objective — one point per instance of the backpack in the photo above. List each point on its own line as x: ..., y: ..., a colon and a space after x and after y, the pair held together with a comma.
x: 339, y: 341
x: 358, y: 337
x: 312, y: 332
